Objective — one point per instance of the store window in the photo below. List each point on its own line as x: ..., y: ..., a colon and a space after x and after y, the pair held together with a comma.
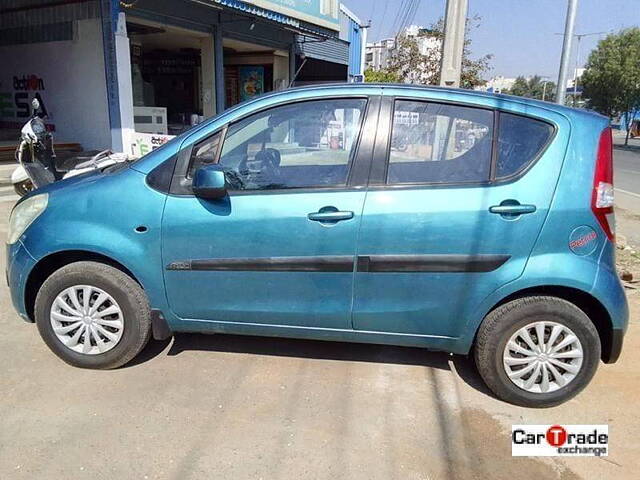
x: 167, y: 81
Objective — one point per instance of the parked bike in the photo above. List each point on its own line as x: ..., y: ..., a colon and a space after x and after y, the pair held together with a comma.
x: 37, y: 158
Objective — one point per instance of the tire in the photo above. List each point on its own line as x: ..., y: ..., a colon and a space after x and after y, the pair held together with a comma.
x: 22, y: 188
x: 132, y: 320
x: 507, y: 323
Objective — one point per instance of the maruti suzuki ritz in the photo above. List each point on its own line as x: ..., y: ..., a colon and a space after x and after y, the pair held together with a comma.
x: 452, y: 220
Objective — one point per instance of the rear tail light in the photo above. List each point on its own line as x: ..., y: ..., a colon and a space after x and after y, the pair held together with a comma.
x: 602, y: 195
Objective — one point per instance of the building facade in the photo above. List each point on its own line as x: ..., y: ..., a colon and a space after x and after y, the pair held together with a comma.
x: 379, y: 54
x: 498, y: 84
x: 129, y: 75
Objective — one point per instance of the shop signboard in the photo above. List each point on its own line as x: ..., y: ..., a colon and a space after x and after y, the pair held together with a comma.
x: 16, y: 94
x: 317, y: 12
x: 251, y: 81
x: 139, y: 144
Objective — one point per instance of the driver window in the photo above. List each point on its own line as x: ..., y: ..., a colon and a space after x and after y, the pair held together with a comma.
x: 308, y: 144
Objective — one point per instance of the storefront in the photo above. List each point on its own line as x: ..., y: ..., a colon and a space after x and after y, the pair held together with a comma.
x: 130, y: 75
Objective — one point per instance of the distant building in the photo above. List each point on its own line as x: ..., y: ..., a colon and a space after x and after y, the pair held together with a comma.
x: 378, y: 54
x: 497, y: 84
x: 577, y: 74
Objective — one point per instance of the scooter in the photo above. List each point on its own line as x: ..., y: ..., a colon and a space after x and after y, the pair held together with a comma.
x: 36, y: 157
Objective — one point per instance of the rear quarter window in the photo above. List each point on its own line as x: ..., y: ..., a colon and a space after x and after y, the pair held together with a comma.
x: 520, y: 141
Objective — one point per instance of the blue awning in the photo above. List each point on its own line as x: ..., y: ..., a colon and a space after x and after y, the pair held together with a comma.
x: 294, y: 23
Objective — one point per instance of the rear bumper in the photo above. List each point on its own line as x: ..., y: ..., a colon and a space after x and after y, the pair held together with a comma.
x: 609, y: 291
x: 19, y: 265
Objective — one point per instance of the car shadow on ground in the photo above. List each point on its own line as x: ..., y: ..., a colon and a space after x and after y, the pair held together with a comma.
x: 628, y: 148
x: 314, y: 349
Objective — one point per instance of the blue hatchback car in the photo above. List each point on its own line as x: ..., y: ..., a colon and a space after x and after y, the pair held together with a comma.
x: 439, y: 218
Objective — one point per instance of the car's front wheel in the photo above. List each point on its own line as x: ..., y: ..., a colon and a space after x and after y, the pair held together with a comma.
x: 537, y: 351
x: 93, y: 315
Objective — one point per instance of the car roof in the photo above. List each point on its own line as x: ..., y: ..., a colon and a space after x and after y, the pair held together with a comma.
x: 478, y: 94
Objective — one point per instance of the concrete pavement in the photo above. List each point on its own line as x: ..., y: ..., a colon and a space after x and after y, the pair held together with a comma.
x: 234, y: 407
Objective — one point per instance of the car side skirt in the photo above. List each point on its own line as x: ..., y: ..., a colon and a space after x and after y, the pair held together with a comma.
x: 429, y: 342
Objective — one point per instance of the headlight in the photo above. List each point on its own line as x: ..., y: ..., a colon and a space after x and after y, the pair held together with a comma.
x: 24, y: 214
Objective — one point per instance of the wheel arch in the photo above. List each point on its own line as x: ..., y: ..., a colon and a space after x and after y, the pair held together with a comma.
x: 586, y: 302
x: 54, y: 261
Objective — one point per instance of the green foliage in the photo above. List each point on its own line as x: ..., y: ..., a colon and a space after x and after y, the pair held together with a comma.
x: 410, y: 65
x: 611, y: 80
x: 381, y: 76
x: 533, y: 87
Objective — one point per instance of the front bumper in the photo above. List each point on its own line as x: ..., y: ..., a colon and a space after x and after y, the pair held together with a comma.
x: 19, y: 265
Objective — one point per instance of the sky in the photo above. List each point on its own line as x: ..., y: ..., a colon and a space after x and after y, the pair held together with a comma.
x: 521, y: 34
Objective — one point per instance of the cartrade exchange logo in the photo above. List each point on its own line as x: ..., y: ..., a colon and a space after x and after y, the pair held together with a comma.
x: 559, y: 440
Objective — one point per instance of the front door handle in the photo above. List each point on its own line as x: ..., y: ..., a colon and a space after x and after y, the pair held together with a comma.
x: 512, y: 208
x: 330, y: 215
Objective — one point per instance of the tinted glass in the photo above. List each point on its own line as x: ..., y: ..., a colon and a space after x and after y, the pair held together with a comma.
x: 520, y: 140
x: 307, y: 144
x: 435, y: 143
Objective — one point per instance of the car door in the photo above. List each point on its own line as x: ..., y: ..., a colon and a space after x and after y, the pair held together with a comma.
x: 280, y: 248
x: 458, y: 195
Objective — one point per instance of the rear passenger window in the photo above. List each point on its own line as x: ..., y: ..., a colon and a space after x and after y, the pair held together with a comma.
x: 520, y: 140
x: 436, y: 143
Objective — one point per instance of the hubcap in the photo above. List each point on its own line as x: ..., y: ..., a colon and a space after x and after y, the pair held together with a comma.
x: 542, y: 357
x: 87, y: 319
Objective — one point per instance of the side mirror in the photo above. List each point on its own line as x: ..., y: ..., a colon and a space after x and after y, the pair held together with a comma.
x: 209, y: 182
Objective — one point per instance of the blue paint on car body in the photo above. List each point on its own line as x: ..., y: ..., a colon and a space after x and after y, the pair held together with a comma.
x: 415, y: 264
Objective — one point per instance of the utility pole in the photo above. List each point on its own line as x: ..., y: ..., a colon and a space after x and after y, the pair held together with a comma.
x: 579, y: 37
x: 454, y: 29
x: 566, y: 51
x: 544, y: 89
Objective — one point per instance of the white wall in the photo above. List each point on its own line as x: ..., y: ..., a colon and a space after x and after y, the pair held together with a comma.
x: 125, y: 90
x: 74, y: 84
x: 280, y: 70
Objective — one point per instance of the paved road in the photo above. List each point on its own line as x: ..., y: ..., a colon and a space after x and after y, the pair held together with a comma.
x: 231, y: 407
x: 627, y: 183
x: 627, y: 170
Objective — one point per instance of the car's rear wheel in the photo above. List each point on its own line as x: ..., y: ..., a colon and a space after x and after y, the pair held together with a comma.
x: 93, y: 315
x: 537, y: 351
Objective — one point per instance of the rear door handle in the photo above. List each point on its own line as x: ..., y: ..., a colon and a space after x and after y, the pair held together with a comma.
x: 334, y: 216
x: 512, y: 209
x: 329, y: 215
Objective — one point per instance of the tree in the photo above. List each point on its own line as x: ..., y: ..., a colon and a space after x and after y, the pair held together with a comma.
x: 416, y: 58
x: 381, y: 76
x: 532, y: 87
x: 611, y: 81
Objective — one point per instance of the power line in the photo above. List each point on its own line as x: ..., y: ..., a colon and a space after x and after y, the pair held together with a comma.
x: 412, y: 14
x: 384, y: 15
x: 399, y: 14
x: 405, y: 17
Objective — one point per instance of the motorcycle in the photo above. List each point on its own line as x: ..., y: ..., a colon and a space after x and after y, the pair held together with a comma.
x: 37, y: 158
